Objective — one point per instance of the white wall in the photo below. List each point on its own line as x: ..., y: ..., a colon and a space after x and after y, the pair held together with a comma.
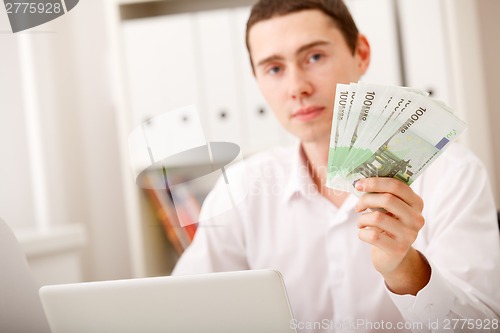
x: 108, y: 254
x: 468, y: 79
x: 16, y: 199
x: 489, y: 26
x: 76, y: 139
x: 32, y: 177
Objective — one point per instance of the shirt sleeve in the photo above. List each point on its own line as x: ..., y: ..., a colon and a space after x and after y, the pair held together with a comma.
x: 218, y: 244
x: 463, y: 251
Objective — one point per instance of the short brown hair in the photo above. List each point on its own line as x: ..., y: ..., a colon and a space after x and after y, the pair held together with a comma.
x: 336, y: 9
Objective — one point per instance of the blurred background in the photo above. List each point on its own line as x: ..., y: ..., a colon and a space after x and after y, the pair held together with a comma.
x: 73, y: 89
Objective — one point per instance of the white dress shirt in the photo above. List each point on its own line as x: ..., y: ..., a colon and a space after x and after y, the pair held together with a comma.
x: 283, y: 223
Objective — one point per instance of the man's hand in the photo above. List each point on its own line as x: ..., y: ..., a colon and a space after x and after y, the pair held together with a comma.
x: 391, y: 228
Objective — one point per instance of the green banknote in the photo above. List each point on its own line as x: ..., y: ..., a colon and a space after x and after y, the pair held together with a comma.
x: 405, y: 133
x: 339, y: 114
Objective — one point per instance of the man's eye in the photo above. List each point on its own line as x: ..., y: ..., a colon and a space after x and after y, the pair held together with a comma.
x: 315, y: 57
x: 274, y: 70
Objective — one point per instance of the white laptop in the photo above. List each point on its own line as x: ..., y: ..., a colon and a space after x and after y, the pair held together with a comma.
x: 232, y: 302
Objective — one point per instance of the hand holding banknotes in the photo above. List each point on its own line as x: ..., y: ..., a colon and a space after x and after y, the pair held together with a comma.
x: 391, y: 227
x: 382, y: 139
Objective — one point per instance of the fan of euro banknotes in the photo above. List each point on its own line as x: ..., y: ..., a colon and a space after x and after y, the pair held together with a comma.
x: 384, y: 131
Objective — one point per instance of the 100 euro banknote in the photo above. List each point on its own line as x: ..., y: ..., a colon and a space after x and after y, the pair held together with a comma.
x: 406, y: 144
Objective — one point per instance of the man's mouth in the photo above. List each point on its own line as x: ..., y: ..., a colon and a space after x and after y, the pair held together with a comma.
x: 308, y: 113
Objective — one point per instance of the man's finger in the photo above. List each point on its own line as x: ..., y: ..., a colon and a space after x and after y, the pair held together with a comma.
x: 393, y: 186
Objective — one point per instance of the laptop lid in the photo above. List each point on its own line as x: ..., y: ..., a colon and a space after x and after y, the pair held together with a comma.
x: 20, y: 306
x: 242, y: 301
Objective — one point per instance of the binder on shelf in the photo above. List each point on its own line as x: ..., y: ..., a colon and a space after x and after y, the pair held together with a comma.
x: 218, y: 77
x: 178, y: 234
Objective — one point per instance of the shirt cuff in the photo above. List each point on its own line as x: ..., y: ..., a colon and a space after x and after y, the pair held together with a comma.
x: 431, y: 304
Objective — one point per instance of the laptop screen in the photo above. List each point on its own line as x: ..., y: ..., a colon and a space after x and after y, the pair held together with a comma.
x: 242, y: 301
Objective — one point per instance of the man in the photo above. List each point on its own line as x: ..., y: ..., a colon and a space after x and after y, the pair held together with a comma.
x: 411, y: 268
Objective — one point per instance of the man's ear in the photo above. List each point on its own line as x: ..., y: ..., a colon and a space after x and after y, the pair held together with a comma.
x: 362, y: 53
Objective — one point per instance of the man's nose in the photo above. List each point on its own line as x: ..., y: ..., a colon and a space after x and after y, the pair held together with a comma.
x: 300, y: 85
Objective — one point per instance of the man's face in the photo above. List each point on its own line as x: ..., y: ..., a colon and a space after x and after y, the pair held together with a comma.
x: 299, y: 58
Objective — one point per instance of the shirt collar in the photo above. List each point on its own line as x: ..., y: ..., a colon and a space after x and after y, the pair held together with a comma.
x: 299, y: 177
x: 300, y: 182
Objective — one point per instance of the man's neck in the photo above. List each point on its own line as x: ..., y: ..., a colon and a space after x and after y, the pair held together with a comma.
x: 316, y: 154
